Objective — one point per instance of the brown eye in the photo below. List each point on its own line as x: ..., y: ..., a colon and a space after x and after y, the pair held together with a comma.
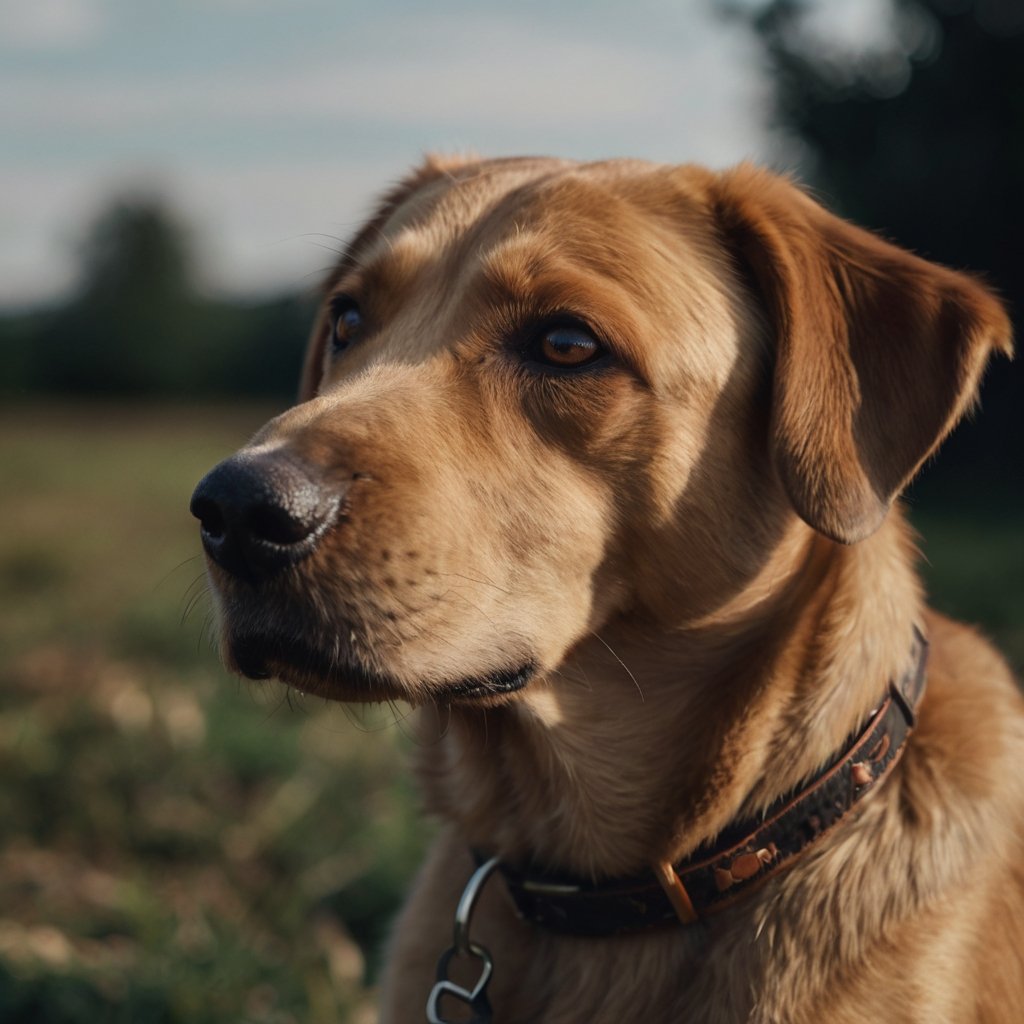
x: 346, y: 323
x: 568, y: 347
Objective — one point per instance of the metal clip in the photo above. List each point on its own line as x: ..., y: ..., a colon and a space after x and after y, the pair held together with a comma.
x: 462, y: 945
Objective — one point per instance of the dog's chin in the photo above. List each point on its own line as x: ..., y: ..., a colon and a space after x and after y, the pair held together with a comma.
x: 312, y: 671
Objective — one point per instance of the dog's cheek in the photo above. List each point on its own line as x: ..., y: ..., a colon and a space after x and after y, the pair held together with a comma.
x: 584, y: 416
x: 558, y: 545
x: 619, y: 463
x: 447, y: 571
x: 696, y: 505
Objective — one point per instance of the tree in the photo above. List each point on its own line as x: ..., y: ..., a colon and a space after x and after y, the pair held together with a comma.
x: 138, y: 325
x: 918, y: 136
x: 135, y: 245
x: 128, y: 329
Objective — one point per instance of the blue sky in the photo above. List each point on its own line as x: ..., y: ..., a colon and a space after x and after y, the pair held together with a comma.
x: 270, y: 122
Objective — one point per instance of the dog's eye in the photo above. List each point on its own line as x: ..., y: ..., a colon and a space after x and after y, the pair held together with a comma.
x: 346, y: 323
x: 567, y: 347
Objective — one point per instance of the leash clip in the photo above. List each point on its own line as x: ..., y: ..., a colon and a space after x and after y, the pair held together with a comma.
x: 462, y: 945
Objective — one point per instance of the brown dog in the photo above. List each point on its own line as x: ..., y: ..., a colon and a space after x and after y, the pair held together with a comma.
x: 595, y: 463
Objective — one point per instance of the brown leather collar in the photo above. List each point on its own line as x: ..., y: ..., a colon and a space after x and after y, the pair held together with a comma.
x: 743, y: 856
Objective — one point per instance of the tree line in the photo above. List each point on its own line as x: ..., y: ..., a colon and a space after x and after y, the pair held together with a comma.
x: 138, y: 325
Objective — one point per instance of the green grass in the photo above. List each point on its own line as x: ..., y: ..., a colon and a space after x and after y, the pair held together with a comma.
x: 176, y: 846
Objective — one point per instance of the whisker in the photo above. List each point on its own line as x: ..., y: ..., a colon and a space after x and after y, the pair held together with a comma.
x: 193, y: 602
x: 399, y: 718
x: 478, y: 610
x: 198, y: 579
x: 283, y: 699
x: 581, y: 678
x: 170, y: 572
x: 208, y: 632
x: 328, y: 248
x: 352, y: 717
x: 471, y: 579
x: 622, y: 663
x: 442, y: 731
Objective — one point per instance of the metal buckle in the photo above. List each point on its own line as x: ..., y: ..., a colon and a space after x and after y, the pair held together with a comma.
x: 463, y: 945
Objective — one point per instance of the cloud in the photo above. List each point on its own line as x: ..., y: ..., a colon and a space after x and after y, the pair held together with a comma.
x: 39, y: 213
x: 276, y: 226
x: 432, y: 77
x: 263, y: 153
x: 49, y: 24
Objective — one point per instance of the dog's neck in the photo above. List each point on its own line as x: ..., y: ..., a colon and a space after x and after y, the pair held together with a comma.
x: 647, y: 742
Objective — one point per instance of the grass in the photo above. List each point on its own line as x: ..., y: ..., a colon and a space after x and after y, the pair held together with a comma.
x: 176, y: 846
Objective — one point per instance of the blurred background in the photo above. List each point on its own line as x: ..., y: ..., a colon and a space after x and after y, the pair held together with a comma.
x: 174, y: 178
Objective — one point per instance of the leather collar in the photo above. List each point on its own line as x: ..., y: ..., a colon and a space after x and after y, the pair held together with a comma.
x: 745, y: 854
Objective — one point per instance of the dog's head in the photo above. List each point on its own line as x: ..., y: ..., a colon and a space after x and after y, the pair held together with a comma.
x: 540, y: 395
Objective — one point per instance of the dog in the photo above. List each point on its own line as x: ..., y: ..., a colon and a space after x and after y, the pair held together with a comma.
x: 598, y: 465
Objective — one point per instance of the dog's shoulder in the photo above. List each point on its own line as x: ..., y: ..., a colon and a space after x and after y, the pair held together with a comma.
x: 970, y: 746
x: 964, y: 759
x: 978, y: 706
x: 963, y: 766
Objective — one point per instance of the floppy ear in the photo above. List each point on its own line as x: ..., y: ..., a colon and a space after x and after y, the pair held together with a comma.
x: 432, y: 168
x: 877, y: 352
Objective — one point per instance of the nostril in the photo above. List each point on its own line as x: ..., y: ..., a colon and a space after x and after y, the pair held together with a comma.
x: 277, y: 525
x: 210, y: 517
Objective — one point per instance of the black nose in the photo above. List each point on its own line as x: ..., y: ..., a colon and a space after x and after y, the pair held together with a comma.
x: 261, y: 512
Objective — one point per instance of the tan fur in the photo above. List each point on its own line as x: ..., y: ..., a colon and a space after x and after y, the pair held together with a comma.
x: 695, y: 546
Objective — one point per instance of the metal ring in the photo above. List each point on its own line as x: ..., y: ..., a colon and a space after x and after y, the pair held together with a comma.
x: 464, y: 911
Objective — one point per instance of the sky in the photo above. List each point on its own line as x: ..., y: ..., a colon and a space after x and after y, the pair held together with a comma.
x: 271, y: 125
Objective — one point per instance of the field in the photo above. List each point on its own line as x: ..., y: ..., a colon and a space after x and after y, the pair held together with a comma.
x: 176, y: 846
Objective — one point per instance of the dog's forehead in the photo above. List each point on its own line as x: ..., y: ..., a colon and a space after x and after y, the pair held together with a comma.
x: 632, y: 243
x: 601, y: 213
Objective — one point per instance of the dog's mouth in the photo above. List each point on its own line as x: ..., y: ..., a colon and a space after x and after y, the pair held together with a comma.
x: 312, y: 670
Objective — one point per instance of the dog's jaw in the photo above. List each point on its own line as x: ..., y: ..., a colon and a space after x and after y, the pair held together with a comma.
x: 338, y: 676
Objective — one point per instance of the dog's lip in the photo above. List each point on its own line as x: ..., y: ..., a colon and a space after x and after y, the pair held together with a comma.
x: 307, y: 668
x: 492, y: 684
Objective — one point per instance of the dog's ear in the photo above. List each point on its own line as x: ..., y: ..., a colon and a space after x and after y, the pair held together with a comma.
x: 432, y: 168
x: 877, y: 352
